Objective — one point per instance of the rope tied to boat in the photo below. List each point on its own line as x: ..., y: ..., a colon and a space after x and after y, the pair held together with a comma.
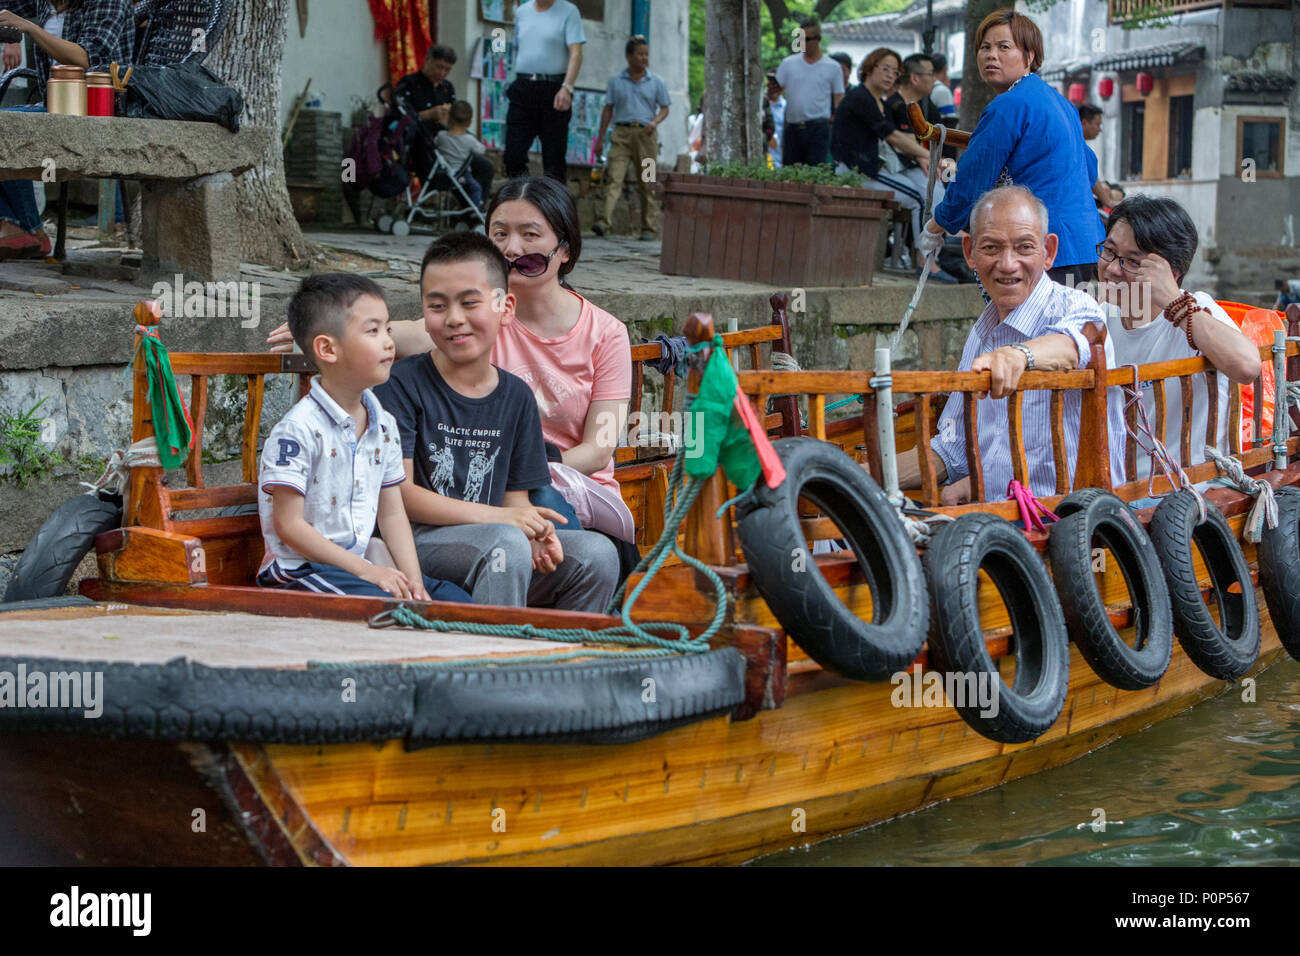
x: 117, y: 470
x: 646, y: 644
x: 784, y: 362
x: 1263, y: 514
x: 922, y: 529
x: 1032, y: 511
x: 1155, y: 448
x: 631, y: 634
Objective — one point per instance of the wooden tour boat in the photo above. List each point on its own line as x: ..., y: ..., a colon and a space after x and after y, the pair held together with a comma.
x: 242, y: 725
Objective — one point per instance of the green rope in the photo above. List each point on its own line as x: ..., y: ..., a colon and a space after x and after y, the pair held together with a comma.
x: 844, y: 401
x: 676, y: 507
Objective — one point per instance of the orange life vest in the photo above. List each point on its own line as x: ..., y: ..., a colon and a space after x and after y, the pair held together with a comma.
x: 1257, y: 325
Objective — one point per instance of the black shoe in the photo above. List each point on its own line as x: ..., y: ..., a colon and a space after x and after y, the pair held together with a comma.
x: 598, y: 228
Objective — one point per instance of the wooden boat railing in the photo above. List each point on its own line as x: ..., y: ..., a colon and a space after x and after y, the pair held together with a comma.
x: 929, y: 390
x: 231, y: 544
x: 928, y: 134
x: 747, y: 349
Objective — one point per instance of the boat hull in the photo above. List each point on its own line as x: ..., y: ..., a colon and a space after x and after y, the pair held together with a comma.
x: 836, y: 757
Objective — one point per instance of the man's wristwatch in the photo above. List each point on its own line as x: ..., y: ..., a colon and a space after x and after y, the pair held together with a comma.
x: 1029, y: 355
x: 567, y: 86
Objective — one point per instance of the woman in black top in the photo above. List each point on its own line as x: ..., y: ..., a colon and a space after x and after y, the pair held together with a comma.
x: 861, y: 129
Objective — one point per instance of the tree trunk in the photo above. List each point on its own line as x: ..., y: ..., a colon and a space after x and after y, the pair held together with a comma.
x: 975, y: 93
x: 733, y: 81
x: 248, y: 57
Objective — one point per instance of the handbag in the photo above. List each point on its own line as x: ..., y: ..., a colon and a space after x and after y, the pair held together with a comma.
x: 889, y: 160
x: 183, y: 91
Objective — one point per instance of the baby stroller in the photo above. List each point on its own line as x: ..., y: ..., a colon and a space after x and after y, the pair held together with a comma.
x: 380, y: 154
x: 439, y: 194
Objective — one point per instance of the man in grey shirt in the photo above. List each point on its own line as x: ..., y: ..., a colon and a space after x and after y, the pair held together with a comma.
x: 813, y: 86
x: 548, y: 55
x: 637, y: 102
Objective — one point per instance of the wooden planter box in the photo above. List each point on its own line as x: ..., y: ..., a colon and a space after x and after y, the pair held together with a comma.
x: 778, y: 233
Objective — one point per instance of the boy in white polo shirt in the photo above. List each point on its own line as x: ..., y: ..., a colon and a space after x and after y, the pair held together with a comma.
x: 333, y: 463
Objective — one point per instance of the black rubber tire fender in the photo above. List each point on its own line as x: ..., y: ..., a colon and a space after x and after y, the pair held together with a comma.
x: 51, y: 557
x: 953, y: 561
x: 1077, y: 500
x: 593, y: 701
x: 802, y: 600
x: 1279, y: 569
x: 1103, y: 516
x: 601, y: 701
x: 1230, y: 651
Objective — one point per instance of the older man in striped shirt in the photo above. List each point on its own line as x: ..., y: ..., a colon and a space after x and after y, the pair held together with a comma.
x: 1030, y: 323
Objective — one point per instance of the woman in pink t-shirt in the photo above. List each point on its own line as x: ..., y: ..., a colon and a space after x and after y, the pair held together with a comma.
x: 576, y: 358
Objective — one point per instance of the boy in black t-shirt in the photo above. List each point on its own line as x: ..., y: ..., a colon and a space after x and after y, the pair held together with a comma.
x: 472, y: 443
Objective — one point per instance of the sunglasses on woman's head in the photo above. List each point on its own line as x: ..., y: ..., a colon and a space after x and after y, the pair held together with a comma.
x: 535, y: 263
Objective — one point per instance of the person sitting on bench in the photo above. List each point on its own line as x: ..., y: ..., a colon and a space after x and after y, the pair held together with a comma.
x: 1031, y: 322
x: 1149, y: 245
x: 333, y: 464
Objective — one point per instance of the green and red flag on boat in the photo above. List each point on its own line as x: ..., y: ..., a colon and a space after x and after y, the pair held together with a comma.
x: 173, y: 430
x: 730, y: 431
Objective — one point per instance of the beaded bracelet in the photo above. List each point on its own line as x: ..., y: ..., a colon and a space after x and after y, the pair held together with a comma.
x: 1181, y: 307
x: 1190, y: 344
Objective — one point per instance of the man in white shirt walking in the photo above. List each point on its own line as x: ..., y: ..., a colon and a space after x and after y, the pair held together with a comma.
x: 813, y: 86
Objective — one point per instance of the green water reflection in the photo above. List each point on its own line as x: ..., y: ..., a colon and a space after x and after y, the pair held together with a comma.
x: 1218, y: 785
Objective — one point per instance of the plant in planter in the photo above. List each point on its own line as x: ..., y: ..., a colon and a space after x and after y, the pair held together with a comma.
x: 796, y: 225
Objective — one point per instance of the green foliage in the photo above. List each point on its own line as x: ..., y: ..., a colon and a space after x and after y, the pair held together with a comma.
x: 823, y: 175
x: 21, y: 448
x: 90, y: 464
x: 773, y: 51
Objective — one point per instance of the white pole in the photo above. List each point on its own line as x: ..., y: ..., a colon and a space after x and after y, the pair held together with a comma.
x: 883, y: 384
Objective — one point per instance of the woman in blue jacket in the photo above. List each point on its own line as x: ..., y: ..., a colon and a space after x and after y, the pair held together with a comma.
x: 1029, y: 135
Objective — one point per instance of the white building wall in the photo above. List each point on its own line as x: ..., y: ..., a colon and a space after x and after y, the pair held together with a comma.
x: 670, y: 50
x: 339, y: 53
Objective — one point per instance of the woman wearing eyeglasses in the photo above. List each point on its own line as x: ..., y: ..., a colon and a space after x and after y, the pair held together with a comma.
x: 576, y: 357
x: 1141, y: 264
x: 865, y: 140
x: 1029, y: 134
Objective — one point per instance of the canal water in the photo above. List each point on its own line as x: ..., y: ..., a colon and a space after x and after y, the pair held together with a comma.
x: 1218, y: 785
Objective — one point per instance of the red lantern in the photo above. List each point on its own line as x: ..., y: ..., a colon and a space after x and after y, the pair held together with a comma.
x: 1078, y: 93
x: 1146, y: 83
x: 1106, y: 88
x: 956, y: 97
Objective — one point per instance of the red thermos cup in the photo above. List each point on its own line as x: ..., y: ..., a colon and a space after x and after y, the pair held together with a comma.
x: 99, y: 94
